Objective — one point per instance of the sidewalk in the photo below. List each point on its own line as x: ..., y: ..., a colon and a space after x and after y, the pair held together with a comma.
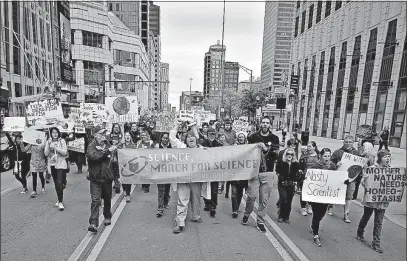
x: 396, y: 212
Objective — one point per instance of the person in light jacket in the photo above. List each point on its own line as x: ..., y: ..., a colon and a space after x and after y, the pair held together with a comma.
x: 56, y: 151
x: 187, y: 192
x: 38, y: 166
x: 379, y: 208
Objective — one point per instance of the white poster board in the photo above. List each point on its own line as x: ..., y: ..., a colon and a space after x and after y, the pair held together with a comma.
x: 66, y: 127
x: 122, y: 109
x: 185, y: 115
x: 352, y: 164
x: 324, y: 186
x: 44, y: 112
x: 14, y: 124
x: 34, y: 137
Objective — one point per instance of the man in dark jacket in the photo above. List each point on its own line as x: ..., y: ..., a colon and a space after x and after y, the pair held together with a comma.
x: 211, y: 204
x: 101, y: 176
x: 351, y: 186
x: 258, y: 186
x: 230, y: 134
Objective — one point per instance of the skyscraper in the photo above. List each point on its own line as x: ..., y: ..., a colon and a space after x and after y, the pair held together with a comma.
x: 277, y: 35
x: 154, y: 18
x: 164, y: 78
x: 214, y: 64
x: 128, y: 12
x: 232, y: 75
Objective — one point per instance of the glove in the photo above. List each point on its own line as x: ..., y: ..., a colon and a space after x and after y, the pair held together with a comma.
x: 346, y: 182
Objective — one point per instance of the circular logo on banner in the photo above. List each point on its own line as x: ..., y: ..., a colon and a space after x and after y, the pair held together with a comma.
x: 354, y: 170
x: 121, y: 105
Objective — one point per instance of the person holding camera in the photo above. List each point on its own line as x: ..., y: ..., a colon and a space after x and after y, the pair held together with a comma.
x: 101, y: 176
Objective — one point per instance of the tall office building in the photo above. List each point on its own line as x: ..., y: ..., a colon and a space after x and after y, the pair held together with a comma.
x: 145, y: 23
x: 164, y: 83
x: 277, y: 38
x: 214, y: 64
x: 154, y: 18
x: 128, y: 12
x: 232, y: 75
x: 352, y: 61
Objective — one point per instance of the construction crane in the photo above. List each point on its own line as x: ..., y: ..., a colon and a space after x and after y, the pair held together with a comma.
x: 248, y: 71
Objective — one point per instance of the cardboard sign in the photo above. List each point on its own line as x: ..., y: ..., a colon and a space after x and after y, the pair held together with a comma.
x: 122, y: 109
x: 66, y: 127
x: 14, y: 124
x: 164, y: 123
x: 34, y: 137
x: 152, y: 166
x: 324, y: 186
x: 239, y: 125
x: 77, y: 145
x: 185, y: 115
x: 80, y: 129
x: 384, y: 184
x: 353, y: 165
x: 44, y: 112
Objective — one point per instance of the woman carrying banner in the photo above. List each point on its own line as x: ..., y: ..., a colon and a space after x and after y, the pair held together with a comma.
x: 127, y: 144
x: 319, y: 209
x: 379, y: 208
x: 163, y: 189
x: 287, y: 169
x: 38, y: 166
x: 145, y: 143
x: 307, y: 159
x: 22, y: 162
x: 56, y: 151
x: 237, y: 185
x: 187, y: 192
x: 115, y: 138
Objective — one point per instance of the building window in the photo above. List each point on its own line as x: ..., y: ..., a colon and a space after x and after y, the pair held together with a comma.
x: 42, y: 35
x: 73, y: 36
x: 16, y: 60
x: 297, y: 19
x: 338, y: 5
x: 304, y: 14
x: 56, y: 39
x: 29, y: 90
x: 92, y: 39
x: 319, y: 11
x: 298, y: 4
x: 27, y: 67
x: 390, y: 44
x: 18, y: 89
x: 328, y: 8
x: 311, y: 15
x: 34, y: 22
x: 27, y: 30
x: 110, y: 7
x: 49, y: 36
x: 117, y: 7
x: 16, y: 16
x: 50, y: 72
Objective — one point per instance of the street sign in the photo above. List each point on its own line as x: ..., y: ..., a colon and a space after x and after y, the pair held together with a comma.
x: 280, y: 90
x: 294, y: 80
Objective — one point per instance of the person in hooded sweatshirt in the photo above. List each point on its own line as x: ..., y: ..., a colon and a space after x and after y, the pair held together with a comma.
x: 211, y: 204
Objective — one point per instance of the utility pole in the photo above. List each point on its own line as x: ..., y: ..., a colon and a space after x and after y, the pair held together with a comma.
x: 221, y: 59
x: 190, y: 93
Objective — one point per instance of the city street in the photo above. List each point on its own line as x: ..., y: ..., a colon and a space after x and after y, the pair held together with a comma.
x: 136, y: 234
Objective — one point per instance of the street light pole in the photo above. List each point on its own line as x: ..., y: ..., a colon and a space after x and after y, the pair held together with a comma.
x: 221, y: 59
x: 190, y: 93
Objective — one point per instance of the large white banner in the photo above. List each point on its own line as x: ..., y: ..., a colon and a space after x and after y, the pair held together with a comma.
x: 34, y: 137
x: 324, y: 186
x: 44, y: 112
x: 353, y: 165
x: 14, y: 124
x: 122, y: 109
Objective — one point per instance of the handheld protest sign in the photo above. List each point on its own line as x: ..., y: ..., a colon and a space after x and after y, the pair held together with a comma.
x: 353, y: 165
x: 34, y: 137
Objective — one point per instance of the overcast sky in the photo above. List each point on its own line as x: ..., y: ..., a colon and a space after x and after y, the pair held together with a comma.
x: 189, y: 28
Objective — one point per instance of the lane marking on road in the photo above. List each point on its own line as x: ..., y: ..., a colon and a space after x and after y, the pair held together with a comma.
x: 85, y: 241
x: 273, y: 240
x: 6, y: 191
x: 105, y: 234
x: 300, y: 255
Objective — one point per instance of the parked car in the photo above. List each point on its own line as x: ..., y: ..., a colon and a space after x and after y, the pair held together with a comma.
x: 7, y: 149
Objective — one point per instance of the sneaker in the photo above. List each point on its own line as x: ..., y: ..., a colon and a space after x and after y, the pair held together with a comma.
x: 310, y: 229
x: 234, y: 215
x: 304, y: 212
x: 329, y: 212
x: 212, y: 212
x: 25, y: 190
x: 107, y: 221
x: 245, y: 220
x: 309, y: 209
x: 167, y: 207
x: 33, y: 195
x: 262, y: 228
x: 93, y: 228
x: 280, y: 220
x: 199, y: 220
x: 57, y: 204
x: 361, y: 238
x: 346, y: 218
x: 43, y: 190
x: 287, y: 221
x: 177, y: 229
x: 206, y: 208
x: 159, y: 214
x: 317, y: 241
x: 377, y: 248
x: 128, y: 199
x: 61, y: 206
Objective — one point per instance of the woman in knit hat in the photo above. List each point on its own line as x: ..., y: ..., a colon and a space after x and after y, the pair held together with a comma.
x: 379, y: 208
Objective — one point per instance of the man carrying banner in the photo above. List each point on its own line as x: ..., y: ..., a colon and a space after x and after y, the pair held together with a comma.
x: 211, y: 204
x: 163, y: 189
x: 336, y: 159
x: 258, y: 186
x: 379, y: 208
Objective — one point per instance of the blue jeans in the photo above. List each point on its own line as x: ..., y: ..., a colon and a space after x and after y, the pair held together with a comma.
x: 378, y: 222
x: 258, y: 187
x: 99, y: 191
